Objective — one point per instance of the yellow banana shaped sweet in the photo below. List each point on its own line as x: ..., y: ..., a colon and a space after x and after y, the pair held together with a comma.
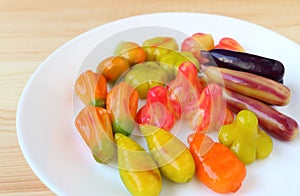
x: 171, y: 155
x: 137, y: 169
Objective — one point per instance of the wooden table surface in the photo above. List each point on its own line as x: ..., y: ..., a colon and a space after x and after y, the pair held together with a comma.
x: 30, y: 30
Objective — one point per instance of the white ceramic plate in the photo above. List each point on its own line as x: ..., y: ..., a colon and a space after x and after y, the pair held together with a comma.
x: 45, y: 114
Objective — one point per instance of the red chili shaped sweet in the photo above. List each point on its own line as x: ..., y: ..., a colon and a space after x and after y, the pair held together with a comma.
x: 184, y: 91
x: 203, y: 107
x: 212, y: 112
x: 156, y: 111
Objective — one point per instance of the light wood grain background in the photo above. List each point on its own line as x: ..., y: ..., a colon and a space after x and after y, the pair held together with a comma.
x: 30, y: 30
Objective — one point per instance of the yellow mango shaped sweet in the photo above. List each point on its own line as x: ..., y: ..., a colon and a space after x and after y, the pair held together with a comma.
x: 171, y: 155
x: 137, y: 169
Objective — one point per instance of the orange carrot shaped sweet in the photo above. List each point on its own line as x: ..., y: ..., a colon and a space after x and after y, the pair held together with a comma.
x: 229, y: 44
x: 95, y: 128
x: 91, y: 88
x: 216, y: 166
x: 121, y: 105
